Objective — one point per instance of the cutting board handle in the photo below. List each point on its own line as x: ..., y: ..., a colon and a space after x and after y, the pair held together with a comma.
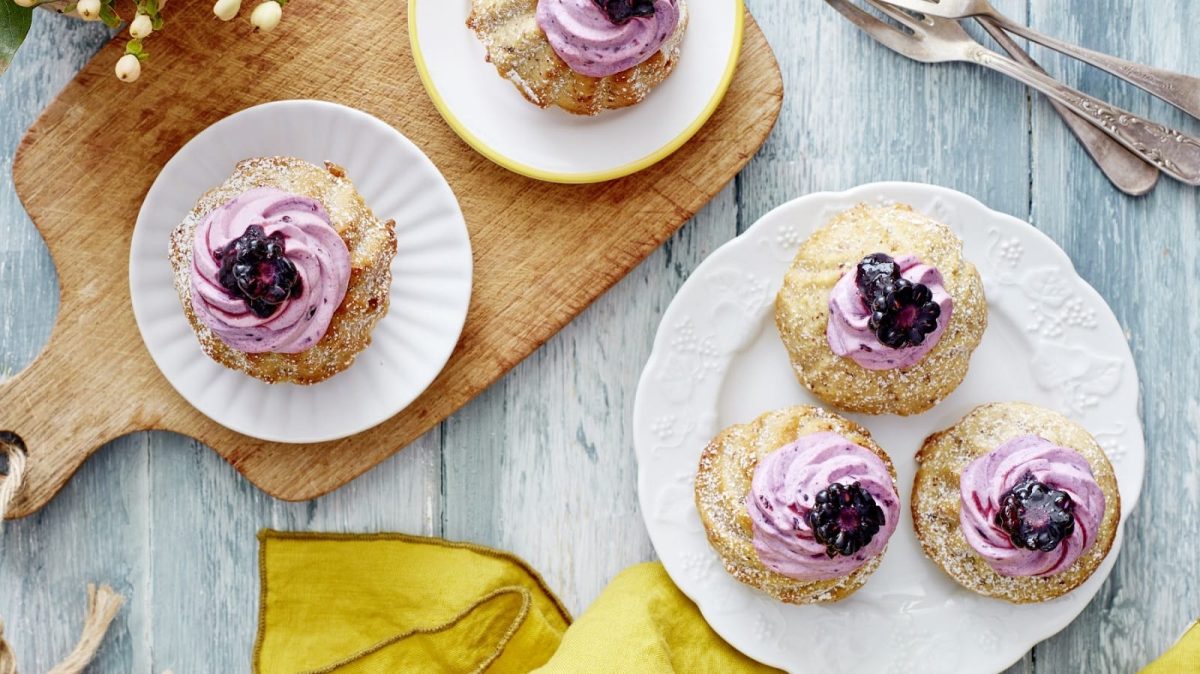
x: 542, y: 252
x: 59, y: 410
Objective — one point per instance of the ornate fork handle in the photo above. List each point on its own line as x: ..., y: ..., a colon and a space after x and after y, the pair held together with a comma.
x: 1174, y: 152
x: 1179, y: 90
x: 1123, y: 168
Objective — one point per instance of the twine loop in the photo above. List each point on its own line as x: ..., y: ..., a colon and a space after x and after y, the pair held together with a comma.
x: 103, y: 602
x: 8, y: 662
x: 103, y: 606
x: 13, y: 479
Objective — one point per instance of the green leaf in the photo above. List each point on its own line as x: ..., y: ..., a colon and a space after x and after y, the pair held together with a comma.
x: 14, y: 25
x: 109, y: 16
x: 135, y: 47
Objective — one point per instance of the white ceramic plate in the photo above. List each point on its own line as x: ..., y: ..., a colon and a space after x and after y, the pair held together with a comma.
x: 431, y: 274
x: 553, y: 145
x: 718, y: 360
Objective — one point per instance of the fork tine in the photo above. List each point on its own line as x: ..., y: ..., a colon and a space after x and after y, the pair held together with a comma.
x: 887, y: 34
x: 900, y: 16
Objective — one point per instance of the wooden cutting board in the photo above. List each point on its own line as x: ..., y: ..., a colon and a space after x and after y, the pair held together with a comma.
x: 543, y: 252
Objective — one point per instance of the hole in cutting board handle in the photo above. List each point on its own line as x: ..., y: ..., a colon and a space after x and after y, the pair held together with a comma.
x: 13, y: 440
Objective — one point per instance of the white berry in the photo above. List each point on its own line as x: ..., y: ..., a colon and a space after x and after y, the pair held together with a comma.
x: 266, y: 16
x: 227, y: 9
x: 89, y: 10
x: 141, y: 27
x: 129, y: 68
x: 26, y: 3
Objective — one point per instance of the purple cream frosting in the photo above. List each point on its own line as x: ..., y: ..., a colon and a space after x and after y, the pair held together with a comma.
x: 583, y: 36
x: 850, y: 336
x: 320, y: 255
x: 987, y: 479
x: 781, y: 495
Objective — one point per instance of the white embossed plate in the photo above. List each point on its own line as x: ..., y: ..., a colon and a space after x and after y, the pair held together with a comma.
x: 718, y: 360
x: 431, y: 273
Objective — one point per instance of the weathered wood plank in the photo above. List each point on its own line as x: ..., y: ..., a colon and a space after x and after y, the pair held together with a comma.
x: 97, y: 530
x: 203, y: 553
x: 1143, y: 257
x: 542, y: 464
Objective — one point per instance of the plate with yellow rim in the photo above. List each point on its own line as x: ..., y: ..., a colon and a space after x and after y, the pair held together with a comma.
x: 490, y: 114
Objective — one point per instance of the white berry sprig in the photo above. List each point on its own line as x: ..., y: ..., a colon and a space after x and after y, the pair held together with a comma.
x: 148, y: 19
x: 265, y: 17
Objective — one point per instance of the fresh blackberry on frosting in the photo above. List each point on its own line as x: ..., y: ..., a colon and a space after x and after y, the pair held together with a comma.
x: 874, y: 273
x: 255, y: 268
x: 845, y: 518
x: 903, y: 313
x: 621, y: 11
x: 1036, y: 516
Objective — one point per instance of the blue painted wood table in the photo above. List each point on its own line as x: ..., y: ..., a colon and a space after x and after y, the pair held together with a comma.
x: 542, y: 463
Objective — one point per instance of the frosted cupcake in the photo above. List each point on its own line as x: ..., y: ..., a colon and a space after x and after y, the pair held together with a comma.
x: 584, y: 56
x: 799, y: 503
x: 880, y: 313
x: 1015, y: 502
x: 283, y: 270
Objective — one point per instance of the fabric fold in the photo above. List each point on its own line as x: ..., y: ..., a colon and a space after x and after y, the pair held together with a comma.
x: 383, y: 603
x: 359, y: 604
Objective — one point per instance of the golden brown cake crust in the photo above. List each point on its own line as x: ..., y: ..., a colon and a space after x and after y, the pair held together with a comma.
x: 372, y: 245
x: 802, y: 311
x: 723, y: 481
x: 519, y: 49
x: 936, y: 498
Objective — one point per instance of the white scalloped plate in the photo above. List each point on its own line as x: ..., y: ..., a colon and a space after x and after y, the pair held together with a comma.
x: 718, y: 360
x: 431, y: 274
x: 552, y: 145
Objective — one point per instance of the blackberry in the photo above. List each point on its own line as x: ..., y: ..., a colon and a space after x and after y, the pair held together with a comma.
x: 255, y: 268
x: 903, y: 313
x: 1036, y: 516
x: 844, y: 518
x: 875, y: 272
x: 621, y: 11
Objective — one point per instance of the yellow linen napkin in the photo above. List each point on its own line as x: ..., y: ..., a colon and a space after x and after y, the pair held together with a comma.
x: 389, y: 603
x: 378, y: 604
x: 1184, y: 656
x: 643, y: 623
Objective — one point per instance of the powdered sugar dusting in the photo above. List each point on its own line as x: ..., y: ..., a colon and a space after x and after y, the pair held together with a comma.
x: 936, y: 498
x: 372, y: 245
x: 521, y: 53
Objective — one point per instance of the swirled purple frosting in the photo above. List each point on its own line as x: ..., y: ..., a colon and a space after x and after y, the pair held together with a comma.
x: 322, y: 263
x: 782, y: 494
x: 591, y: 44
x: 987, y: 479
x: 850, y: 336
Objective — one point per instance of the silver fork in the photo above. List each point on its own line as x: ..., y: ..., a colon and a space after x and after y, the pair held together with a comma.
x: 943, y: 40
x: 1123, y: 168
x: 1179, y: 90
